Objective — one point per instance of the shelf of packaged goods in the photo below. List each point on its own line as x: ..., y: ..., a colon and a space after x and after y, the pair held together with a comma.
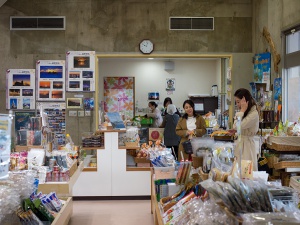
x: 64, y: 216
x: 107, y: 131
x: 62, y: 189
x: 154, y: 204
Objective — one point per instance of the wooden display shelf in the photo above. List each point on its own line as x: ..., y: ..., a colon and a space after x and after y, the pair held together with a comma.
x: 64, y: 215
x: 129, y: 148
x: 92, y: 148
x: 284, y: 144
x: 138, y: 168
x: 90, y: 169
x: 286, y: 164
x: 62, y: 189
x: 154, y: 204
x: 104, y: 131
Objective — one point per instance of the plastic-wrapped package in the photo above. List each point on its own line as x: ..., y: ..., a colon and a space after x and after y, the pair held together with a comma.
x: 269, y: 218
x: 207, y: 213
x: 18, y: 186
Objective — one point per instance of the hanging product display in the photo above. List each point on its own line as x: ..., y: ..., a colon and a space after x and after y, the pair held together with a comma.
x: 20, y: 89
x: 51, y: 80
x: 56, y: 116
x: 5, y: 142
x: 80, y: 71
x: 262, y: 69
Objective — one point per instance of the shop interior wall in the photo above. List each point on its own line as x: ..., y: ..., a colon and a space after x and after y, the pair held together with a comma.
x: 275, y: 15
x: 192, y: 76
x: 118, y: 27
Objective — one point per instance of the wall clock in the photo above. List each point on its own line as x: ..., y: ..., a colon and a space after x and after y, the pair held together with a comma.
x: 146, y: 46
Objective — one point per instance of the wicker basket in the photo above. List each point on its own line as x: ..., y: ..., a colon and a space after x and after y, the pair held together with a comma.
x: 204, y: 176
x: 287, y: 164
x: 197, y: 161
x: 272, y: 159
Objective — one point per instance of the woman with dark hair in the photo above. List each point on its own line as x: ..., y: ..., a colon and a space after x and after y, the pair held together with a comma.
x: 189, y: 125
x: 171, y: 140
x: 155, y: 113
x: 249, y: 125
x: 168, y: 101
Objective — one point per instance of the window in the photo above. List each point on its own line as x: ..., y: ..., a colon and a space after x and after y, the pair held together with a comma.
x: 291, y: 75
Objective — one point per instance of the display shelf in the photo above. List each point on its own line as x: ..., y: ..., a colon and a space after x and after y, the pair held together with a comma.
x: 92, y: 148
x: 286, y: 164
x: 154, y: 204
x: 138, y: 168
x: 90, y: 169
x: 129, y: 148
x: 62, y: 189
x: 64, y: 216
x: 284, y: 144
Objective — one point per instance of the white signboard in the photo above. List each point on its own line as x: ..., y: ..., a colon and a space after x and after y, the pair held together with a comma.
x: 20, y: 89
x: 81, y: 71
x: 50, y: 80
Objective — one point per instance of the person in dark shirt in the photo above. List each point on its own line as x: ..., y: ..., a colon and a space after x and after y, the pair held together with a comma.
x: 168, y: 101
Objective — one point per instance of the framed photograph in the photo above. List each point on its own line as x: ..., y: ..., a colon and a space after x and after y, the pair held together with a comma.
x: 153, y: 96
x: 88, y: 103
x: 170, y: 84
x: 74, y: 103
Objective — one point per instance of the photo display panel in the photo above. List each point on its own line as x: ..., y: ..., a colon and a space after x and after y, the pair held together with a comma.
x: 80, y: 71
x: 50, y: 80
x: 20, y: 89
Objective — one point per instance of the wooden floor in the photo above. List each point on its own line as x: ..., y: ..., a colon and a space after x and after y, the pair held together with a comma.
x: 112, y: 212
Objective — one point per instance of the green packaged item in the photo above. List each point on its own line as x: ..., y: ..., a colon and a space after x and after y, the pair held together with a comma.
x: 43, y: 210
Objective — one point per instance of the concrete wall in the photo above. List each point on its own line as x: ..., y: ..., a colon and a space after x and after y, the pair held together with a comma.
x: 275, y: 15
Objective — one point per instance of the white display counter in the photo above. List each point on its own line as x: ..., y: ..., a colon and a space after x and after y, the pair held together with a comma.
x: 112, y: 178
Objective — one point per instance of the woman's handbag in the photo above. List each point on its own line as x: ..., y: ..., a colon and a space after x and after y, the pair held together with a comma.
x: 187, y: 146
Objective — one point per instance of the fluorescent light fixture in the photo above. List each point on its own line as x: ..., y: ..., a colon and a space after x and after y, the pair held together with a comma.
x: 150, y: 58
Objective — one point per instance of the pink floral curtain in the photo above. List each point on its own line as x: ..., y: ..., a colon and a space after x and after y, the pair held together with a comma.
x: 119, y: 95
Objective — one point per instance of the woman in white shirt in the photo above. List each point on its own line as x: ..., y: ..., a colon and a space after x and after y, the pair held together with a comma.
x: 155, y: 114
x: 189, y: 125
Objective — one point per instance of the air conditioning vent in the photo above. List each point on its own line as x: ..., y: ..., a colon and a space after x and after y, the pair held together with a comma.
x: 191, y: 23
x: 37, y: 23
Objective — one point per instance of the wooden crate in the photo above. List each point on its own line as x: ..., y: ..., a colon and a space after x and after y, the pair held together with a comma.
x: 131, y: 144
x: 287, y: 164
x: 141, y: 160
x: 73, y: 168
x: 64, y: 215
x: 288, y: 143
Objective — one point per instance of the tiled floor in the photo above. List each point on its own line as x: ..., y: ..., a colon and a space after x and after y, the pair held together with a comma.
x: 113, y: 212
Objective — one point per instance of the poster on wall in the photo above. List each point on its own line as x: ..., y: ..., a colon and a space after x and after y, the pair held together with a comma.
x: 20, y: 89
x: 50, y: 80
x: 278, y: 89
x: 170, y: 84
x: 262, y: 68
x: 80, y: 71
x: 119, y: 95
x: 56, y: 112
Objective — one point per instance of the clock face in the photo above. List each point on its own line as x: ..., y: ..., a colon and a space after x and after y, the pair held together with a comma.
x: 146, y: 46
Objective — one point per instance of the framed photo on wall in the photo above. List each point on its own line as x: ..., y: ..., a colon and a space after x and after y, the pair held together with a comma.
x: 153, y: 96
x: 75, y: 103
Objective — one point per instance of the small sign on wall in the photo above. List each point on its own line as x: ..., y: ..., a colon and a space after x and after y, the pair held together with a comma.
x: 170, y: 84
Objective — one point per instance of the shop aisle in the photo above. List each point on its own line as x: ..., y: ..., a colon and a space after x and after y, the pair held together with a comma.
x: 114, y: 212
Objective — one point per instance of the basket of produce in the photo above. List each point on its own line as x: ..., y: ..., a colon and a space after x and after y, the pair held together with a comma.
x: 272, y: 159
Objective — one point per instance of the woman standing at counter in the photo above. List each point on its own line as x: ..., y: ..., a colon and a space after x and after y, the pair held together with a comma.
x: 155, y: 113
x: 249, y: 125
x: 189, y: 125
